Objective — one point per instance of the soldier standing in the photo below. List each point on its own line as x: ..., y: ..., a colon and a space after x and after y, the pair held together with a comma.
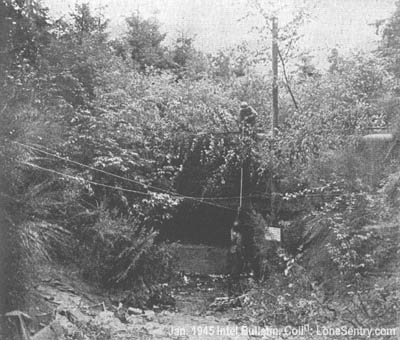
x: 248, y: 118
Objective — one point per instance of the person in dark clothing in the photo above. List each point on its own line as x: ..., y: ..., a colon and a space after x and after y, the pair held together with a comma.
x: 236, y: 260
x: 248, y: 118
x: 244, y: 252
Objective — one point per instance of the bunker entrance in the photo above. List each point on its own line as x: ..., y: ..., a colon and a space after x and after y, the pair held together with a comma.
x: 199, y: 224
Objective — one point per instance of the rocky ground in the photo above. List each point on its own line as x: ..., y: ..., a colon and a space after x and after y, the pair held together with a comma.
x: 63, y: 306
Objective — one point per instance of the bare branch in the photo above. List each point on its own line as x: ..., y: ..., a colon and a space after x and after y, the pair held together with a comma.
x: 287, y: 81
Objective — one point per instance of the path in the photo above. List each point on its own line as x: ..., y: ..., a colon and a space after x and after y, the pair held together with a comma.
x: 80, y: 313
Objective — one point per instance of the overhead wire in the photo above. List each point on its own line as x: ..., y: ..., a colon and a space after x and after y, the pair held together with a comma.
x: 120, y: 188
x: 125, y: 178
x: 176, y: 195
x: 92, y: 168
x: 200, y: 199
x: 160, y: 189
x: 85, y: 180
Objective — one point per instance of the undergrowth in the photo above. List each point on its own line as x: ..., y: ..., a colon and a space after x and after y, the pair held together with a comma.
x: 123, y: 254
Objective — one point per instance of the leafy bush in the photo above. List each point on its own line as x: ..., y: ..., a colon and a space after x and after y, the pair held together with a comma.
x: 290, y: 299
x: 122, y: 253
x: 296, y: 298
x: 45, y: 241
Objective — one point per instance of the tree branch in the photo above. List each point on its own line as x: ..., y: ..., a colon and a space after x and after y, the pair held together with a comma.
x: 287, y: 80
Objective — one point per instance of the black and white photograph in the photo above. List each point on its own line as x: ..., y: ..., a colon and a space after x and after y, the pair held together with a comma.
x: 199, y: 169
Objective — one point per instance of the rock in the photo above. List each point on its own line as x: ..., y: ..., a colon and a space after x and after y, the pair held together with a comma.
x: 134, y: 311
x: 74, y: 315
x: 135, y: 320
x: 106, y: 315
x: 109, y: 322
x: 68, y: 327
x: 149, y: 315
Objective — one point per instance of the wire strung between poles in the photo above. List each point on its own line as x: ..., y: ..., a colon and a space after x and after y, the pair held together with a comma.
x: 80, y: 179
x: 124, y: 178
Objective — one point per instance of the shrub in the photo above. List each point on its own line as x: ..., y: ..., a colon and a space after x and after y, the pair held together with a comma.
x: 46, y: 241
x: 123, y: 253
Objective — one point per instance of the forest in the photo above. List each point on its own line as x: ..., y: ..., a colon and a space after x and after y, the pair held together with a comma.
x: 113, y: 149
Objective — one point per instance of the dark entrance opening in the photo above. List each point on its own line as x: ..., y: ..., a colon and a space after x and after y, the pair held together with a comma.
x: 199, y: 224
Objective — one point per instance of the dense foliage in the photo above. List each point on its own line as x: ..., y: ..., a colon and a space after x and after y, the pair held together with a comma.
x: 104, y: 142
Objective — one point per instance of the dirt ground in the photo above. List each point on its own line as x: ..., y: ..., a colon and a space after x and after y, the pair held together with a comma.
x: 65, y: 307
x: 73, y: 309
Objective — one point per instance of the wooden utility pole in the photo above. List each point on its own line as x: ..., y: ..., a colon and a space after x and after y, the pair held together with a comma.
x: 275, y: 108
x: 274, y: 113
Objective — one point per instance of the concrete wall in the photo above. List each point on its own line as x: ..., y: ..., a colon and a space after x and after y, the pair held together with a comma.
x: 201, y: 259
